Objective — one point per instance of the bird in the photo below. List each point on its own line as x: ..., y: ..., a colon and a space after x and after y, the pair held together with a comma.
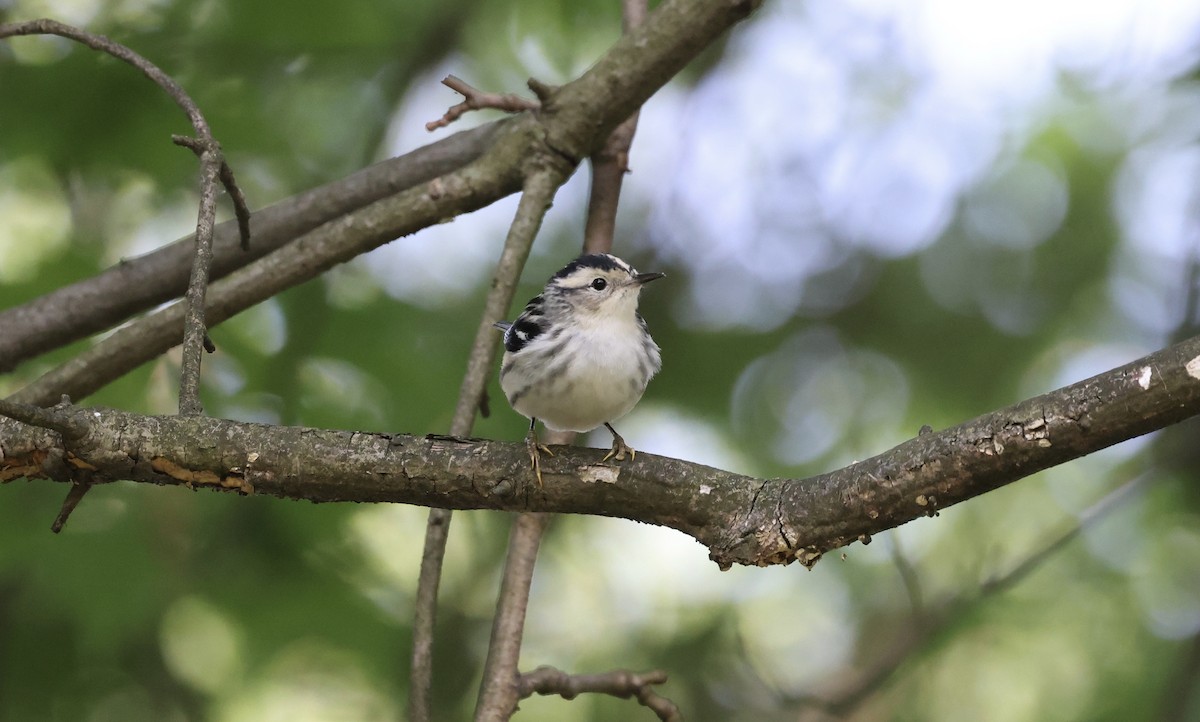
x: 580, y: 355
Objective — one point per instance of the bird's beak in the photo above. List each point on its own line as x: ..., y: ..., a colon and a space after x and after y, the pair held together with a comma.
x: 642, y: 279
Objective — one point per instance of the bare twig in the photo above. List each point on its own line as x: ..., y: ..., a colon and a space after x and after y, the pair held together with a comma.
x: 617, y: 683
x: 476, y: 99
x: 908, y: 575
x: 210, y: 164
x: 499, y: 692
x: 241, y: 210
x: 538, y: 193
x: 497, y: 696
x: 611, y: 163
x: 74, y: 496
x: 195, y: 332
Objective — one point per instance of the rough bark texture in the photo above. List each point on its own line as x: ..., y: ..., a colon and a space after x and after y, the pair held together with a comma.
x: 740, y: 519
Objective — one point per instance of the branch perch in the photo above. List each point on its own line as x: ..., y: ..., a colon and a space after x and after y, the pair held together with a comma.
x: 742, y: 520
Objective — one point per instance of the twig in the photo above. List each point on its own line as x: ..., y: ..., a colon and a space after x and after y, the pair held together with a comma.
x: 476, y: 99
x: 538, y: 193
x: 621, y: 683
x: 497, y: 698
x: 55, y: 419
x: 909, y: 577
x: 195, y: 332
x: 500, y: 690
x: 241, y: 210
x: 74, y: 496
x: 611, y: 163
x: 210, y: 163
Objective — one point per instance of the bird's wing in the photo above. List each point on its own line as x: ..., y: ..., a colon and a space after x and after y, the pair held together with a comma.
x: 528, y: 326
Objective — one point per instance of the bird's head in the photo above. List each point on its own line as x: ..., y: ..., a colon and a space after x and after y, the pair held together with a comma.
x: 600, y: 285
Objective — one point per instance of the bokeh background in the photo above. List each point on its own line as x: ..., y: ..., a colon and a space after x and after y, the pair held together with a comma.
x: 874, y: 214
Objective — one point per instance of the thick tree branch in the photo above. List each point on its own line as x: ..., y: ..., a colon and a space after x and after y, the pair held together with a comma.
x: 740, y: 519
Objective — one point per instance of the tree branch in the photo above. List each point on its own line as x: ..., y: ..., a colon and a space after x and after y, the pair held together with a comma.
x: 73, y: 312
x: 535, y: 201
x: 740, y: 519
x: 626, y: 75
x: 499, y: 691
x: 211, y: 163
x: 618, y: 683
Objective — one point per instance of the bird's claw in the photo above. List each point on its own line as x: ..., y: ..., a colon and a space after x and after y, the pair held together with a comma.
x: 536, y: 448
x: 619, y: 449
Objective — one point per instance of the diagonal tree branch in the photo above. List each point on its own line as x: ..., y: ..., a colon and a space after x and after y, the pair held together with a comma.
x: 499, y: 690
x: 740, y: 519
x: 539, y: 191
x: 73, y: 312
x: 592, y: 106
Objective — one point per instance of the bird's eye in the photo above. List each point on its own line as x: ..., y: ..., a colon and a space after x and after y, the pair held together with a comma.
x: 599, y: 284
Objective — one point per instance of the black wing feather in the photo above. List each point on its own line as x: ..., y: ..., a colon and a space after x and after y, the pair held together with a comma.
x: 528, y: 326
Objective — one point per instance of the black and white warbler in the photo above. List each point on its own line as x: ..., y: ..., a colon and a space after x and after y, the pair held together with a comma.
x: 580, y: 354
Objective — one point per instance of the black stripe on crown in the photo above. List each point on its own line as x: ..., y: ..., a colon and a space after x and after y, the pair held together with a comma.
x: 598, y: 261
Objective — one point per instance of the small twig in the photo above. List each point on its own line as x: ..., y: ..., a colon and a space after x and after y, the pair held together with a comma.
x: 476, y: 99
x: 74, y: 496
x: 194, y: 329
x: 497, y: 695
x: 611, y: 163
x: 617, y: 683
x: 539, y: 191
x: 437, y: 532
x: 55, y: 419
x: 500, y: 689
x: 210, y: 165
x: 241, y: 210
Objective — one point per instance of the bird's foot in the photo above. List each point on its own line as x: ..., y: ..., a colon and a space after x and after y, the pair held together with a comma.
x: 536, y: 448
x: 619, y: 448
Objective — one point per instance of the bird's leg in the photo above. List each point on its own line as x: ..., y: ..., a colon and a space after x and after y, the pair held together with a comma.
x: 619, y: 446
x: 535, y: 448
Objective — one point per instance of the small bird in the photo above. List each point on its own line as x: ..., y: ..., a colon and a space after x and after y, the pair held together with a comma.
x: 580, y: 354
